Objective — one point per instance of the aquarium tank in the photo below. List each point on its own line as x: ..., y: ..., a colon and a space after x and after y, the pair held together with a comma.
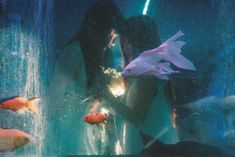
x: 153, y: 78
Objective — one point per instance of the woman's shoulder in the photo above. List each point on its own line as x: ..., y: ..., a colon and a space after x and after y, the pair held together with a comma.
x: 71, y: 58
x: 74, y: 44
x: 71, y: 52
x: 72, y: 48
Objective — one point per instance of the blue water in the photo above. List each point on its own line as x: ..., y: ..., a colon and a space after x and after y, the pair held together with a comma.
x: 33, y: 34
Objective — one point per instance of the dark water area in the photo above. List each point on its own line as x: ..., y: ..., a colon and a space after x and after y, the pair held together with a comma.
x: 117, y: 78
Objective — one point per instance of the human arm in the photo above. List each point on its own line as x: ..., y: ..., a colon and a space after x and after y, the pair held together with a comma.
x: 136, y: 102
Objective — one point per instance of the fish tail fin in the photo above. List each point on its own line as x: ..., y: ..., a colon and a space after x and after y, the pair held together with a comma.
x: 31, y: 105
x: 171, y: 51
x: 175, y: 37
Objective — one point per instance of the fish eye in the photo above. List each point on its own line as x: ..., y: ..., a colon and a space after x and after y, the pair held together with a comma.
x: 128, y: 70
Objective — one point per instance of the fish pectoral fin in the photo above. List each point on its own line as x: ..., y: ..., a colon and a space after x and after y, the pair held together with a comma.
x: 163, y: 70
x: 159, y: 74
x: 22, y: 110
x: 31, y: 105
x: 163, y: 77
x: 105, y: 122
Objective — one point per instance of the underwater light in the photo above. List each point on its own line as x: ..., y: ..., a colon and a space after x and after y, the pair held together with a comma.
x: 116, y: 86
x: 146, y: 6
x: 174, y: 116
x: 124, y: 134
x: 104, y: 110
x: 118, y: 148
x: 117, y: 90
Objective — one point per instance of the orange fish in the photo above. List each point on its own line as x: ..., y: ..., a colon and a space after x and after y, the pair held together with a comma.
x: 19, y: 104
x: 10, y: 139
x: 96, y: 118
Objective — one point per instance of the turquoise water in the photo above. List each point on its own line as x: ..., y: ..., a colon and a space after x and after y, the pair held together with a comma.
x: 37, y: 59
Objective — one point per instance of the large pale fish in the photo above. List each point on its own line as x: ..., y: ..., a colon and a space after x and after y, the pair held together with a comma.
x: 10, y: 139
x: 157, y: 61
x: 212, y: 104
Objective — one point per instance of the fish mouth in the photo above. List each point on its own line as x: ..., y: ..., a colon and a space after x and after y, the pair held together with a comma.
x: 85, y: 119
x: 123, y: 74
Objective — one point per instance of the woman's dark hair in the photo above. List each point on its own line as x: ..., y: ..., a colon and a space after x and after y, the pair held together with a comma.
x: 99, y: 20
x: 141, y: 32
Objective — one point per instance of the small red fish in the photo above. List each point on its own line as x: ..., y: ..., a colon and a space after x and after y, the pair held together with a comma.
x: 19, y: 104
x: 96, y: 118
